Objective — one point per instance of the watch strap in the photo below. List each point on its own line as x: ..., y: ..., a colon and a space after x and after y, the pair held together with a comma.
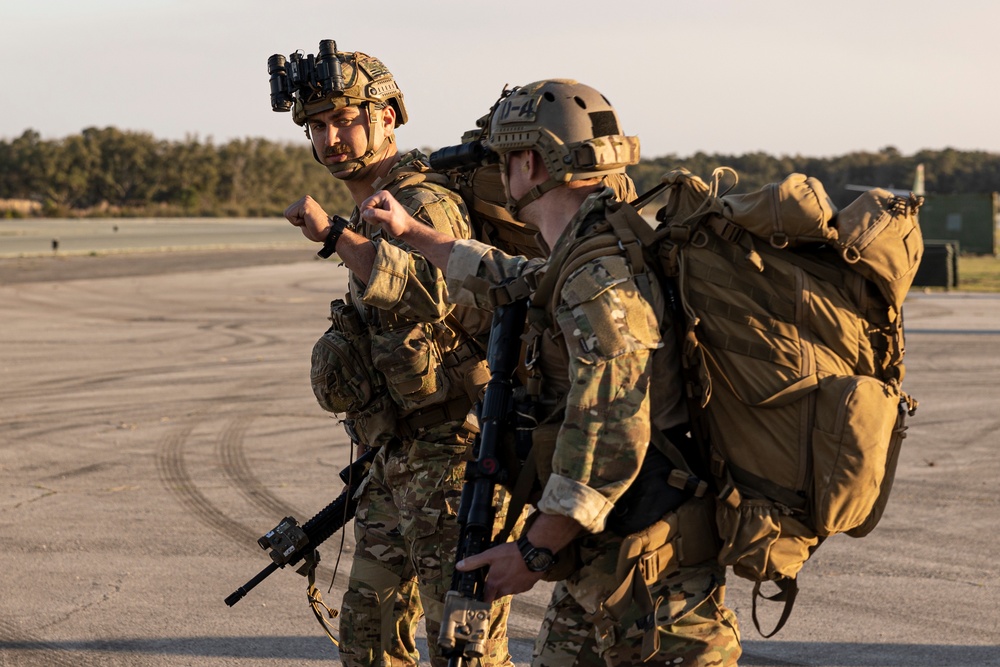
x: 337, y: 227
x: 529, y: 552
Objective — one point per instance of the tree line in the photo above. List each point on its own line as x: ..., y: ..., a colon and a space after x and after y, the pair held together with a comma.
x: 947, y: 171
x: 111, y: 172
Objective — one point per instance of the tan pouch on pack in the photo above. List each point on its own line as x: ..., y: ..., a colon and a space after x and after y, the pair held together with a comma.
x: 880, y: 237
x: 761, y: 541
x: 795, y: 211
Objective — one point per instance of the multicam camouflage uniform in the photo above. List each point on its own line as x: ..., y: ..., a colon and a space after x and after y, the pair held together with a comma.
x: 406, y: 524
x: 597, y: 354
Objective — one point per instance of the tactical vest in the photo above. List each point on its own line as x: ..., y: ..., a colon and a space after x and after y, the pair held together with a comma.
x: 428, y: 373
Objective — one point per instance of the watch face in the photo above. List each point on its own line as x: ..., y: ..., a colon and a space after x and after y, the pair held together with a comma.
x: 541, y: 560
x: 537, y: 559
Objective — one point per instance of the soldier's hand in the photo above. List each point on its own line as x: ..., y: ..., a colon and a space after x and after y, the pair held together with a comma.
x: 508, y: 575
x: 309, y: 216
x: 383, y: 208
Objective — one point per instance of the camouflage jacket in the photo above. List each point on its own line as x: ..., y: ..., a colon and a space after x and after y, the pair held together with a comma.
x: 402, y: 283
x: 596, y: 353
x: 421, y: 343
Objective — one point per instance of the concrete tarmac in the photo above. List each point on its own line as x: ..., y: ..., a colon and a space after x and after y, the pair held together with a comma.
x: 157, y: 419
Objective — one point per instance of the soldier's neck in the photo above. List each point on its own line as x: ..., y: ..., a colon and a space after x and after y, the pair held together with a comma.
x: 553, y: 211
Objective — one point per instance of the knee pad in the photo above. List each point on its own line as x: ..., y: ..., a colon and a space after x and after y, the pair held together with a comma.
x: 379, y: 617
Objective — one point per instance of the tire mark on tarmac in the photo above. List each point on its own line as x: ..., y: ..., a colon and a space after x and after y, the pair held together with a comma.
x: 237, y: 469
x: 231, y: 330
x: 232, y: 454
x: 175, y: 478
x: 132, y: 380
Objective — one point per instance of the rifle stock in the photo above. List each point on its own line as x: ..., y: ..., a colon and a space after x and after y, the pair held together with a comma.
x: 466, y: 620
x: 290, y: 544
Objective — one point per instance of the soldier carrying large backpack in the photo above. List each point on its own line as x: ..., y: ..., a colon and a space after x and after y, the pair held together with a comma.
x: 642, y: 577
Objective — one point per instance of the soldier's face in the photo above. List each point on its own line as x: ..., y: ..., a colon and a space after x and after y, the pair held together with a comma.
x: 339, y: 134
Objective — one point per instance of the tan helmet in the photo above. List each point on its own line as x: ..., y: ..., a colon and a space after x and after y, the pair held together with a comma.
x: 308, y: 85
x: 365, y: 79
x: 572, y: 126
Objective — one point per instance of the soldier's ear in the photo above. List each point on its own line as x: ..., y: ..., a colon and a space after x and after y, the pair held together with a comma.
x: 534, y: 166
x: 388, y: 118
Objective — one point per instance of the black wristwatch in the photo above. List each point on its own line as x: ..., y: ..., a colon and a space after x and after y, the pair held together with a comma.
x: 337, y: 227
x: 538, y: 559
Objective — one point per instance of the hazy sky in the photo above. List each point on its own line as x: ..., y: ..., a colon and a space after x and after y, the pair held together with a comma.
x: 729, y: 76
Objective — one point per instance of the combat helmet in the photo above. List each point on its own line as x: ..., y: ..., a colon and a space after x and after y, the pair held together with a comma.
x: 570, y: 125
x: 331, y: 79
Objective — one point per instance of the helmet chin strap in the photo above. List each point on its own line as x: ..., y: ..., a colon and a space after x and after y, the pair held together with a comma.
x: 531, y: 195
x: 356, y: 165
x: 515, y: 207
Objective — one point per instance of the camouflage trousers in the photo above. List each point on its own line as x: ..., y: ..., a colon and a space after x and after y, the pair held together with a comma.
x: 407, y: 531
x: 694, y: 627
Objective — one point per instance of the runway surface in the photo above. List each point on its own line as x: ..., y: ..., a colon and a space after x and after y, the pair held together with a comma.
x: 156, y: 418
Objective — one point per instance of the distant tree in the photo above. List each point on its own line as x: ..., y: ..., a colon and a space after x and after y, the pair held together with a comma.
x: 945, y: 172
x: 106, y: 171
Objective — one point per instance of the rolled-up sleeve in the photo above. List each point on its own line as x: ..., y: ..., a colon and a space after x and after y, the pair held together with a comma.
x: 602, y: 440
x: 610, y: 332
x: 568, y: 497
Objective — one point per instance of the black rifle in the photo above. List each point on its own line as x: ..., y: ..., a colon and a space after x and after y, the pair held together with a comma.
x: 290, y: 543
x: 466, y: 622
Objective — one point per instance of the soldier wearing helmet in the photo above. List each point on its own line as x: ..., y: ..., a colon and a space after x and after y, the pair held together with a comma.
x: 607, y: 526
x: 369, y: 87
x: 421, y: 356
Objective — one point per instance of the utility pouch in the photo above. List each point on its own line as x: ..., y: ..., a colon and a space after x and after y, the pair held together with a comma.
x: 762, y: 541
x: 410, y: 360
x: 375, y: 424
x: 685, y: 538
x: 342, y: 376
x: 880, y: 237
x: 465, y: 368
x: 474, y: 376
x: 855, y: 442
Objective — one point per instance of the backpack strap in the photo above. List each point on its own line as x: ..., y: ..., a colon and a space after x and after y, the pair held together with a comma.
x: 634, y: 234
x: 788, y: 590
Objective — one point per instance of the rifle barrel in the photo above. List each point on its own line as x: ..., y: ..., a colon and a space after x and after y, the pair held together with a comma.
x: 241, y: 592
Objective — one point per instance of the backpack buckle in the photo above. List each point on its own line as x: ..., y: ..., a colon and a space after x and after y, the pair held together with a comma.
x: 726, y: 229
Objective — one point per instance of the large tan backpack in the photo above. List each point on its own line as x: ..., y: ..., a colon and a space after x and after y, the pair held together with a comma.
x: 792, y: 345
